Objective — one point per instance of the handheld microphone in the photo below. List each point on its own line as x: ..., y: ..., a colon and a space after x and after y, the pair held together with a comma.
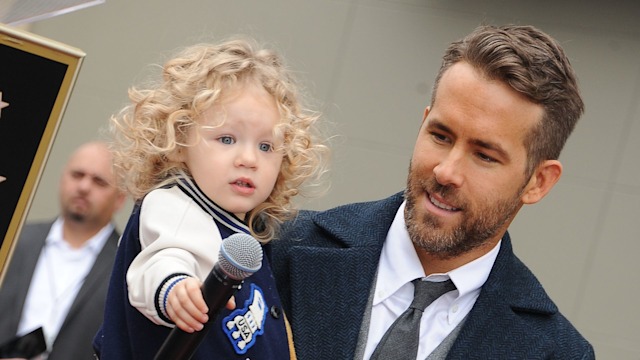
x: 240, y: 256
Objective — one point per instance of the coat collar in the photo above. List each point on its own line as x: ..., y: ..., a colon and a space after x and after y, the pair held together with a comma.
x: 513, y: 283
x: 509, y: 300
x: 355, y: 225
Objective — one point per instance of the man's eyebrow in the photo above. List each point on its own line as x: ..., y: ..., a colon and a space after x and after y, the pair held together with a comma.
x: 440, y: 126
x: 489, y: 145
x: 94, y: 176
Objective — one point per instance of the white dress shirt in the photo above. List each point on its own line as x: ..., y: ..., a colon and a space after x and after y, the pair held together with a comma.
x: 57, y: 278
x: 399, y: 265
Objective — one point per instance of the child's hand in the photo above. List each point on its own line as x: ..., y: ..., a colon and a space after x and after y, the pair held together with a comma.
x: 186, y: 306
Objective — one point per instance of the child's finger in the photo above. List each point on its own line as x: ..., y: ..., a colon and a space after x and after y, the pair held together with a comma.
x: 231, y: 304
x: 186, y: 305
x: 193, y: 301
x: 194, y: 291
x: 183, y: 320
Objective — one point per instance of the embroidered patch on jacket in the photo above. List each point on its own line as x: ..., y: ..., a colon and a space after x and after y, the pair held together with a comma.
x: 244, y: 325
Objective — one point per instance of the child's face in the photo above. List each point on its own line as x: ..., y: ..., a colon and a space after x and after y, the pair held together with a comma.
x: 235, y: 164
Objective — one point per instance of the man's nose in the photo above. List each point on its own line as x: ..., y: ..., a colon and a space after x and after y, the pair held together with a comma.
x: 449, y: 170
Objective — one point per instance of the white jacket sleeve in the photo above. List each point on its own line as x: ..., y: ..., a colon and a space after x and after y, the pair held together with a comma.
x: 176, y: 237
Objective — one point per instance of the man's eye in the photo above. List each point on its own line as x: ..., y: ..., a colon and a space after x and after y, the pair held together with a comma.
x: 226, y: 140
x: 486, y: 158
x: 265, y: 147
x: 77, y: 174
x: 100, y: 182
x: 439, y: 137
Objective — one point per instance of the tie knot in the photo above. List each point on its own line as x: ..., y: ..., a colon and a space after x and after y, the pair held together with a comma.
x: 425, y: 292
x: 402, y: 338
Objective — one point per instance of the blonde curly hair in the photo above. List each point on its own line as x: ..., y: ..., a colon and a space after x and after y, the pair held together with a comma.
x: 149, y: 132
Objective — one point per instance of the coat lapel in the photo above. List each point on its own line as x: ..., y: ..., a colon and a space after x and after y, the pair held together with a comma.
x: 99, y: 273
x: 510, y: 292
x: 31, y: 243
x: 344, y: 271
x: 345, y: 277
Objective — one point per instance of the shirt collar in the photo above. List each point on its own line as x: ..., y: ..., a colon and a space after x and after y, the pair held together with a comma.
x: 399, y: 264
x: 94, y: 245
x: 471, y: 276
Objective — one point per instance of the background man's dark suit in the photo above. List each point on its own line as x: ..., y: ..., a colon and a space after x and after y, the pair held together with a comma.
x: 85, y: 315
x: 325, y: 264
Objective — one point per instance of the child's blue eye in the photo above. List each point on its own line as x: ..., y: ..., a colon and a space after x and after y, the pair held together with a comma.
x: 265, y: 147
x: 226, y: 140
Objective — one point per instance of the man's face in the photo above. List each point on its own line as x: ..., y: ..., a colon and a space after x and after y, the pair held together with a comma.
x: 88, y: 194
x: 467, y: 173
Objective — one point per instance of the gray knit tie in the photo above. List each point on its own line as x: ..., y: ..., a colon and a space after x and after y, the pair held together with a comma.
x: 402, y: 339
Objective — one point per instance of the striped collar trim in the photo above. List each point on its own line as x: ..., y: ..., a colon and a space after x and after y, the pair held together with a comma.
x: 222, y: 216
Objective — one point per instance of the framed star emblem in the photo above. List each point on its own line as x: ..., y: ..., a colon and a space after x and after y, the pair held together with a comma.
x: 2, y: 104
x: 33, y: 96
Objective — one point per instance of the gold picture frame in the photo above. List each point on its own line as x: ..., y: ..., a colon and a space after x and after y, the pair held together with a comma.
x: 36, y: 78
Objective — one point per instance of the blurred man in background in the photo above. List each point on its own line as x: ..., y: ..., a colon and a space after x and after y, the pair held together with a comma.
x: 58, y: 275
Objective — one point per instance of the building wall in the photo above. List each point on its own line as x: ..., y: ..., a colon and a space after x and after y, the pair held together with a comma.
x: 370, y: 65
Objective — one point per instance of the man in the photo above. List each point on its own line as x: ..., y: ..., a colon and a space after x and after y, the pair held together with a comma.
x: 504, y: 102
x: 58, y: 275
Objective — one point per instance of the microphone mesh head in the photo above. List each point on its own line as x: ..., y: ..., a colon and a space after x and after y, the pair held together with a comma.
x: 240, y: 256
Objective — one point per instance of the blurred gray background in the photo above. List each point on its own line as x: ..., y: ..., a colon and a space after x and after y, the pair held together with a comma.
x: 369, y: 64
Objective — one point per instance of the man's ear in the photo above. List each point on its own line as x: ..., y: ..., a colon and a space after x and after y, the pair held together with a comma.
x: 542, y: 181
x: 426, y: 112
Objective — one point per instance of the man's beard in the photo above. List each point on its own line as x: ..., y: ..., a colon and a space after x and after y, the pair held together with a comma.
x: 72, y: 214
x: 475, y: 228
x: 76, y: 217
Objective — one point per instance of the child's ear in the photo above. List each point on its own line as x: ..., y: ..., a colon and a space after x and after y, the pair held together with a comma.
x: 542, y: 181
x: 178, y: 155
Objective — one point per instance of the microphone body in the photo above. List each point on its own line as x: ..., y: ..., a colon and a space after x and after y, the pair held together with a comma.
x: 240, y: 256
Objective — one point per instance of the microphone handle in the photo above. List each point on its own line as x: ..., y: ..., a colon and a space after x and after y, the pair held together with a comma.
x: 217, y: 289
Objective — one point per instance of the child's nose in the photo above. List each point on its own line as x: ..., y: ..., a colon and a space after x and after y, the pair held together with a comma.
x: 247, y: 157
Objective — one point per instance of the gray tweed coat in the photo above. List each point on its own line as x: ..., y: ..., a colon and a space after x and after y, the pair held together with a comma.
x: 325, y: 263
